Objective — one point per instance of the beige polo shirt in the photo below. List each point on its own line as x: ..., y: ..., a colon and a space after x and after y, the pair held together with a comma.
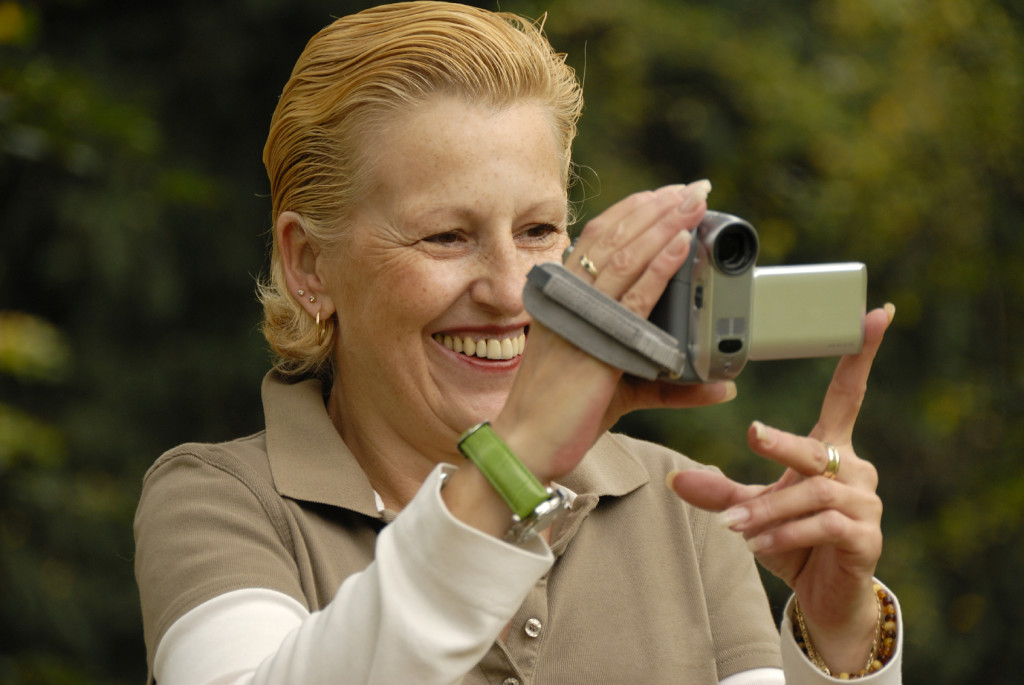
x: 644, y: 588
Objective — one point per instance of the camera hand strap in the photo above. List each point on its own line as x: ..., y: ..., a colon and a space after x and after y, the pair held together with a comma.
x: 599, y: 325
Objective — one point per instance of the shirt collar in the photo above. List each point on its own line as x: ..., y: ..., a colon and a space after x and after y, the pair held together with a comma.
x: 308, y: 459
x: 609, y: 469
x: 310, y: 462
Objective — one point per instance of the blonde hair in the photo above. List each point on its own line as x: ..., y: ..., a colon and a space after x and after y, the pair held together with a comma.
x: 351, y: 79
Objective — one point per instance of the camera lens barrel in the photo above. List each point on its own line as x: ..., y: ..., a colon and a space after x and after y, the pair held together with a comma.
x: 731, y: 242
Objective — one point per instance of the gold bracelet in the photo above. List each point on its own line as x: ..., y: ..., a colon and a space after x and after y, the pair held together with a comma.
x: 882, y: 647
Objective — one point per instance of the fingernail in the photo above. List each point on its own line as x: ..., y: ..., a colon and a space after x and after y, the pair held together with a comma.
x: 669, y: 478
x: 730, y: 391
x: 703, y: 185
x: 678, y: 244
x: 733, y: 516
x: 890, y: 309
x: 697, y: 192
x: 764, y: 434
x: 760, y: 542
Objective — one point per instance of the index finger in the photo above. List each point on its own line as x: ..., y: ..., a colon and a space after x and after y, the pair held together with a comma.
x: 849, y: 382
x: 710, y: 490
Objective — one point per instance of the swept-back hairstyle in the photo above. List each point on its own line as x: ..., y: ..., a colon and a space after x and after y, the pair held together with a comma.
x: 352, y: 78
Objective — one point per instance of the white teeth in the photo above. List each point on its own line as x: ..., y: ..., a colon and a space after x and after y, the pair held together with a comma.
x: 489, y: 348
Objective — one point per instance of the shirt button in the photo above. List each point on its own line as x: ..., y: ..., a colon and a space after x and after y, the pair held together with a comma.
x: 533, y: 627
x: 510, y: 681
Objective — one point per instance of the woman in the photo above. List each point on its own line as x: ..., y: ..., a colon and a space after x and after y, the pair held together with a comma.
x: 419, y: 160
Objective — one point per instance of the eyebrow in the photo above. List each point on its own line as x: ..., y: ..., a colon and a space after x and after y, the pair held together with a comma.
x: 560, y: 204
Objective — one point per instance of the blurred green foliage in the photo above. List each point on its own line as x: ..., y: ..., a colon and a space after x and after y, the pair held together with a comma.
x: 133, y: 217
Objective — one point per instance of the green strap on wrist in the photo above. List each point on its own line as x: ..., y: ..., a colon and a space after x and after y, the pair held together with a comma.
x: 506, y: 474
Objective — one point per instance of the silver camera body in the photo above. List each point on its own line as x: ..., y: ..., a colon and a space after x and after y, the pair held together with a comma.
x: 725, y: 310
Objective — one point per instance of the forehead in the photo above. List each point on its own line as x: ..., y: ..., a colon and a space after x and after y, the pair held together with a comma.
x: 448, y: 148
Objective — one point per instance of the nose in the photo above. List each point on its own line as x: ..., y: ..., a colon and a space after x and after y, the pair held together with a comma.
x: 501, y: 275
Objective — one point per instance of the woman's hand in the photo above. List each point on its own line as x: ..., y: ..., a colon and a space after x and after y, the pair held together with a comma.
x: 563, y: 399
x: 820, y: 535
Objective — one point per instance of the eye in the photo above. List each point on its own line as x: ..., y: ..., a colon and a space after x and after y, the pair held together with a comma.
x: 446, y: 238
x: 540, y: 231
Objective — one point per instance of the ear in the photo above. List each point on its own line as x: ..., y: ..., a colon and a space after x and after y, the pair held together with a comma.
x: 300, y: 259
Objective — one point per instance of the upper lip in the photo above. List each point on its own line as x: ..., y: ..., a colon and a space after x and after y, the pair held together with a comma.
x: 486, y: 331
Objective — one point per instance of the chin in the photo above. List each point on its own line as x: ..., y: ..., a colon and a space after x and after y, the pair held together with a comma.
x: 480, y: 409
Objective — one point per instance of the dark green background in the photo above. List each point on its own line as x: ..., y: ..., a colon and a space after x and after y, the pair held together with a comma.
x: 134, y: 217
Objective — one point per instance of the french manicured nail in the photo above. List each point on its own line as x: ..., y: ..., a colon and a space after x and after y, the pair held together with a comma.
x: 765, y: 435
x: 678, y: 244
x: 760, y: 542
x: 697, y: 193
x: 703, y: 185
x: 734, y: 516
x: 890, y: 309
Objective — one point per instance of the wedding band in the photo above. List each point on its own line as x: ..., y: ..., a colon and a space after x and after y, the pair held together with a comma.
x: 588, y: 265
x: 832, y: 469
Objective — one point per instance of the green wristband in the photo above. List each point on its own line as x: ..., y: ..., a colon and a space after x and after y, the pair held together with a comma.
x: 513, y: 481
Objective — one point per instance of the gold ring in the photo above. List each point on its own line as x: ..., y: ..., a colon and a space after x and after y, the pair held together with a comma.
x: 588, y: 265
x: 832, y: 469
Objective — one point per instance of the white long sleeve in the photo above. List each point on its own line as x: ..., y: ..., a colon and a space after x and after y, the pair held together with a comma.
x: 426, y: 611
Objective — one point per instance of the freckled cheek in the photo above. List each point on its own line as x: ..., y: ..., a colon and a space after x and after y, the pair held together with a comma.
x: 531, y: 258
x: 417, y: 295
x: 555, y: 253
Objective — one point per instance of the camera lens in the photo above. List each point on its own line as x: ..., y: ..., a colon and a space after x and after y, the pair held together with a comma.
x: 735, y: 248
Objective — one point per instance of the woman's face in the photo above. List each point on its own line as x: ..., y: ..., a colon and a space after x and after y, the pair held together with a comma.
x: 428, y: 283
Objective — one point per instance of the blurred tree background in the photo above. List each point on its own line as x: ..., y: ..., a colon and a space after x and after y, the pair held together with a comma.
x: 134, y: 217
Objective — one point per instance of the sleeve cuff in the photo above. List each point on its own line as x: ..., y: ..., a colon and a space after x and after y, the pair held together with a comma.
x: 475, y: 568
x: 800, y: 671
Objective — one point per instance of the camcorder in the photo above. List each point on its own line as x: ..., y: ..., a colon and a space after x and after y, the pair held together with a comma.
x: 726, y: 310
x: 717, y: 312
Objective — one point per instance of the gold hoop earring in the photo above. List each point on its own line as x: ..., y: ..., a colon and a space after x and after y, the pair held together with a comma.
x: 321, y: 330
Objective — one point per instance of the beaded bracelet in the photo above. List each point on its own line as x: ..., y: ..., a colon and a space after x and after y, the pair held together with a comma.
x: 882, y: 647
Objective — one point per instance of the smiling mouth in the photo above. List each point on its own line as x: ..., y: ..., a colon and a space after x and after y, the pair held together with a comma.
x: 484, y: 348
